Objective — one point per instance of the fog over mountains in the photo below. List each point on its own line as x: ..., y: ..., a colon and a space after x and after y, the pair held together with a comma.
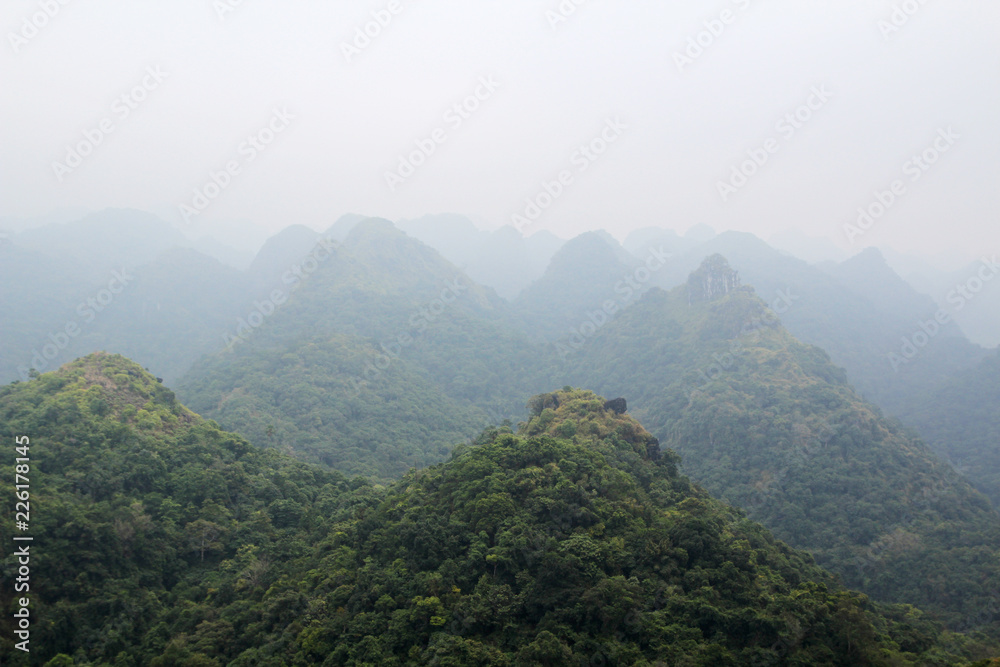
x: 373, y: 348
x: 520, y: 334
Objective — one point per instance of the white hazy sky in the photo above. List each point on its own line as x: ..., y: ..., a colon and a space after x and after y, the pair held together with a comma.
x: 891, y: 93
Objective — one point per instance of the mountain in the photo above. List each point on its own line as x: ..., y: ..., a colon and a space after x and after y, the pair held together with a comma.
x: 383, y: 357
x: 770, y: 424
x: 238, y: 259
x: 584, y: 274
x: 162, y: 540
x: 170, y: 312
x: 868, y: 274
x: 280, y: 252
x: 859, y: 312
x: 970, y: 294
x: 929, y: 347
x: 39, y: 296
x: 105, y: 241
x: 166, y: 313
x: 139, y: 505
x: 508, y: 262
x: 343, y: 226
x: 120, y: 280
x: 812, y: 249
x: 640, y: 241
x: 960, y: 420
x: 502, y: 259
x: 576, y: 540
x: 315, y: 400
x: 454, y: 236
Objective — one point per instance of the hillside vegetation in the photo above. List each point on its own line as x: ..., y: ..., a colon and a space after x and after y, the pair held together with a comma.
x: 162, y: 540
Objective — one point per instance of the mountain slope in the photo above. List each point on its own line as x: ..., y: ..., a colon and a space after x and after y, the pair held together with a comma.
x: 141, y: 511
x: 104, y: 241
x: 383, y: 357
x: 960, y: 420
x: 576, y: 540
x: 584, y: 273
x: 170, y: 542
x: 771, y: 425
x: 858, y: 313
x: 314, y: 399
x: 502, y: 259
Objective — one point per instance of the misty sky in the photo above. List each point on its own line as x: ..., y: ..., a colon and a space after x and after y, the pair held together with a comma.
x: 199, y: 79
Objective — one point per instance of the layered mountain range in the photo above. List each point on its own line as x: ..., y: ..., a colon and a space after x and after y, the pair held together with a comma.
x: 832, y: 403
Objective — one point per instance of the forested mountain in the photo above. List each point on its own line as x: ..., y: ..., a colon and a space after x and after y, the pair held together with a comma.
x: 859, y: 313
x: 104, y: 241
x: 375, y: 355
x: 167, y: 312
x: 281, y: 251
x: 382, y: 357
x: 961, y: 420
x: 119, y: 279
x: 585, y: 272
x: 39, y: 295
x: 162, y: 540
x: 769, y: 424
x: 969, y: 293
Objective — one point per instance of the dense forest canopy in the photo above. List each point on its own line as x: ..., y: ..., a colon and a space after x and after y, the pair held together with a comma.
x: 170, y: 542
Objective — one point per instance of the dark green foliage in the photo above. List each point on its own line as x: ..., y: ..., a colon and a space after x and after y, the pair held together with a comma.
x: 769, y: 424
x: 141, y: 510
x: 312, y: 400
x: 165, y: 541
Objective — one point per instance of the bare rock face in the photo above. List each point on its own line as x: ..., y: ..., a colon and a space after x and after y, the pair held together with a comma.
x: 712, y: 280
x: 616, y: 405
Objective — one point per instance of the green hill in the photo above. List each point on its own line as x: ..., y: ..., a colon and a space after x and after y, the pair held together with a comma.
x: 140, y: 512
x: 858, y: 311
x: 382, y: 358
x: 161, y: 540
x: 769, y: 424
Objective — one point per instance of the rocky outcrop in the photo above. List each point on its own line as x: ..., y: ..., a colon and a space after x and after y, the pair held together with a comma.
x: 712, y: 280
x: 616, y: 405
